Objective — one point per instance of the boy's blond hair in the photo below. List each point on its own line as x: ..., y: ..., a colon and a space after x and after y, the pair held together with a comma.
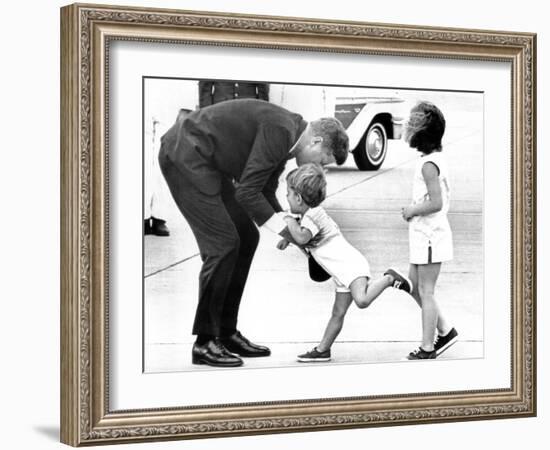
x: 309, y: 181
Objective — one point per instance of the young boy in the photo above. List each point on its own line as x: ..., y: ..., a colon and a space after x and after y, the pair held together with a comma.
x: 321, y: 237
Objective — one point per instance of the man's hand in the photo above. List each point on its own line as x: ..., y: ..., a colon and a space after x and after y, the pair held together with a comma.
x: 408, y: 212
x: 285, y: 234
x: 282, y: 244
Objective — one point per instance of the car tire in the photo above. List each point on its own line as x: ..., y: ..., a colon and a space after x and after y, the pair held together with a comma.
x: 372, y: 148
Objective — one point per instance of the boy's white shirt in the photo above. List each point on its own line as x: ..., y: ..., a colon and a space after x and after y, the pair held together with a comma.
x: 308, y: 222
x: 276, y: 222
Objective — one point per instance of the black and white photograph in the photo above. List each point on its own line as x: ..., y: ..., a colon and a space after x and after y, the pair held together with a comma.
x: 297, y: 225
x: 215, y: 217
x: 278, y: 224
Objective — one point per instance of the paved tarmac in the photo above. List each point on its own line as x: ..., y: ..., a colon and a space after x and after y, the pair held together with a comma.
x: 284, y: 309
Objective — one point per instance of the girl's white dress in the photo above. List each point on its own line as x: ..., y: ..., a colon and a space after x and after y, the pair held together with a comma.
x: 430, y: 236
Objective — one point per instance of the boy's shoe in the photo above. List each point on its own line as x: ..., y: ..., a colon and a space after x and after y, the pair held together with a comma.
x: 400, y: 281
x: 420, y: 353
x: 442, y: 343
x: 315, y: 356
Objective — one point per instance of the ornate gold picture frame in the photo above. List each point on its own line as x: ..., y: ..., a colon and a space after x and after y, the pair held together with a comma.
x: 87, y: 31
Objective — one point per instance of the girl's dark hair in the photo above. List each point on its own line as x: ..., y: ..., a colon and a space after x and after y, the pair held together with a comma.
x: 425, y: 127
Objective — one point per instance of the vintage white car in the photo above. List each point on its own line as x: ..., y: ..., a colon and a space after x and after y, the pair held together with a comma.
x: 371, y: 116
x: 370, y: 121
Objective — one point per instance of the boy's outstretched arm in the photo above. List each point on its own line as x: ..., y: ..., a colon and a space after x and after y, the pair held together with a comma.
x: 285, y: 234
x: 299, y: 234
x: 277, y: 224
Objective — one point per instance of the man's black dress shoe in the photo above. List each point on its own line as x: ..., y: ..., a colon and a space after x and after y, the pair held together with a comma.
x: 237, y: 343
x: 147, y: 227
x: 213, y: 353
x: 159, y: 228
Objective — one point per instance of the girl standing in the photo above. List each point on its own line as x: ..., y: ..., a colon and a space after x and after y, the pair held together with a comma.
x: 430, y: 235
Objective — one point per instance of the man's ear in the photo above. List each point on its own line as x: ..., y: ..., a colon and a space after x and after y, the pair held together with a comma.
x: 299, y: 198
x: 316, y: 140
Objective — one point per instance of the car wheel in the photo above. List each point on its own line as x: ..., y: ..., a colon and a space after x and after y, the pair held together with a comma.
x: 372, y: 148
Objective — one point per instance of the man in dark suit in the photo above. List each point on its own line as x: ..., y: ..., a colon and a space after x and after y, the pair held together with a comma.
x: 211, y: 92
x: 222, y: 164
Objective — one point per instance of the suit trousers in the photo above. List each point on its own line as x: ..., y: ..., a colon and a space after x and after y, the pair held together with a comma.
x: 227, y: 239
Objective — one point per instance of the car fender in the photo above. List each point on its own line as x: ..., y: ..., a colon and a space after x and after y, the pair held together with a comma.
x: 358, y: 127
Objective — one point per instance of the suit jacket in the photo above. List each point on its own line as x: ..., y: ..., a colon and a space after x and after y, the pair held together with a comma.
x: 247, y: 141
x: 211, y: 92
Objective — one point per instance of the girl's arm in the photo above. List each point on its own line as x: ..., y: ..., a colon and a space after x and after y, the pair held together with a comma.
x: 299, y: 234
x: 434, y: 203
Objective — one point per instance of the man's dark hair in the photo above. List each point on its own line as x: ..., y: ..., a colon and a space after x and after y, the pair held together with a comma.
x: 335, y: 137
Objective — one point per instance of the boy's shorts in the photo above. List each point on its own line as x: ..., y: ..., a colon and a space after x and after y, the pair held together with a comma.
x: 342, y: 261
